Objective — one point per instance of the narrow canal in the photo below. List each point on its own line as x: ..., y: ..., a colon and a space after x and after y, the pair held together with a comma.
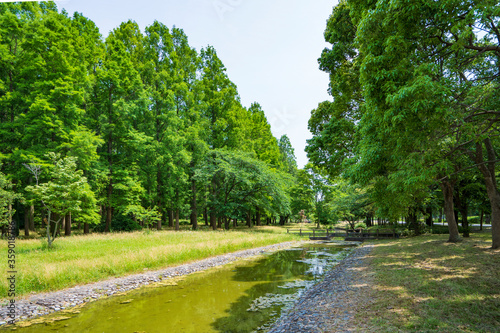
x: 246, y: 296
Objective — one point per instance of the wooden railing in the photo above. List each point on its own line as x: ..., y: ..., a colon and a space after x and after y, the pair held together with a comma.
x: 348, y: 234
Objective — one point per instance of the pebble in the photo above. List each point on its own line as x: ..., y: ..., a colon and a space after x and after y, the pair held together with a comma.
x: 322, y: 308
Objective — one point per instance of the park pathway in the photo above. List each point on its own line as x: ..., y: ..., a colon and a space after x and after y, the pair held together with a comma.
x: 331, y: 305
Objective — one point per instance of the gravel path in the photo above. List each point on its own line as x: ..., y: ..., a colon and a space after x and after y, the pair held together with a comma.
x: 45, y: 303
x: 330, y: 305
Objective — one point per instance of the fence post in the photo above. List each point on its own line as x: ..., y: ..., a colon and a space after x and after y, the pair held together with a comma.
x: 287, y: 230
x: 314, y: 232
x: 300, y: 231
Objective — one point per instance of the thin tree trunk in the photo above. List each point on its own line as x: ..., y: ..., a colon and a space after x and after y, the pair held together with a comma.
x: 32, y: 218
x: 177, y: 219
x: 413, y: 223
x: 226, y: 223
x: 107, y: 228
x: 465, y: 222
x: 49, y: 224
x: 481, y: 220
x: 27, y: 222
x: 449, y: 210
x: 213, y: 220
x: 194, y: 209
x: 67, y: 225
x: 488, y: 172
x: 159, y: 190
x: 428, y: 219
x: 170, y: 214
x: 205, y: 216
x: 257, y: 218
x: 86, y: 228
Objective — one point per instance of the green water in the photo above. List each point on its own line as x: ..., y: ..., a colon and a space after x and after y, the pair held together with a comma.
x: 245, y: 296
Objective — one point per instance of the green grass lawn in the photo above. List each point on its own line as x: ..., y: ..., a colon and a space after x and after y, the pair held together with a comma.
x: 424, y: 284
x: 83, y: 259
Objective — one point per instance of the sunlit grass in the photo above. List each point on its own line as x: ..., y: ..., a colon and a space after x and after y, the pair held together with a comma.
x: 425, y: 284
x: 84, y: 259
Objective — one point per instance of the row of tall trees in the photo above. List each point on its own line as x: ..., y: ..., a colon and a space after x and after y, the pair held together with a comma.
x: 138, y: 127
x: 415, y: 109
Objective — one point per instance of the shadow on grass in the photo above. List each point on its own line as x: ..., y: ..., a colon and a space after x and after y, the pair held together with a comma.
x: 425, y: 284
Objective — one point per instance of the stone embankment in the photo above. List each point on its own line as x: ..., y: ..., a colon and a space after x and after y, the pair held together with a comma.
x: 45, y: 303
x: 330, y: 305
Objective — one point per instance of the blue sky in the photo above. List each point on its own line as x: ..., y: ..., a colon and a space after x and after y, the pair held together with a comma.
x: 270, y: 48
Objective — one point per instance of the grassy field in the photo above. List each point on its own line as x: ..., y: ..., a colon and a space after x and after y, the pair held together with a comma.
x: 82, y: 259
x: 424, y: 284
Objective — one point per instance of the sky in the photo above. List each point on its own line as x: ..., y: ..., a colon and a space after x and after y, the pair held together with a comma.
x: 269, y: 48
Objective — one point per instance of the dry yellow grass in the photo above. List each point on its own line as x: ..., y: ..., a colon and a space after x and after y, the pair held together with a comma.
x: 83, y: 259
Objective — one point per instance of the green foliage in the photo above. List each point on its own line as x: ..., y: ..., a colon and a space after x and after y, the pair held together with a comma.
x: 139, y: 114
x: 240, y: 182
x: 360, y: 225
x: 412, y: 87
x: 66, y: 191
x: 7, y: 198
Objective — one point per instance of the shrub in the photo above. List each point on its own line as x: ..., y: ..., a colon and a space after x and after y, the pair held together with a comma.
x: 361, y: 225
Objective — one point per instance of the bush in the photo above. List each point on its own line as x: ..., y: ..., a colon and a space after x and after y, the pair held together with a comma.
x: 361, y: 225
x: 440, y: 230
x: 120, y: 222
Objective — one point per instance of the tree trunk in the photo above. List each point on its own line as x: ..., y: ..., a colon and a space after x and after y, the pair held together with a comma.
x: 159, y: 182
x: 86, y: 228
x: 67, y: 225
x: 449, y: 210
x: 27, y: 221
x: 213, y: 220
x: 282, y: 220
x: 108, y: 219
x: 226, y: 223
x: 177, y: 219
x: 219, y: 222
x: 194, y: 209
x: 235, y: 223
x: 465, y: 222
x: 481, y: 220
x: 488, y: 172
x: 257, y: 218
x: 158, y: 223
x: 32, y: 218
x: 413, y: 223
x: 205, y: 216
x: 170, y: 213
x: 49, y: 225
x: 249, y: 220
x: 428, y: 218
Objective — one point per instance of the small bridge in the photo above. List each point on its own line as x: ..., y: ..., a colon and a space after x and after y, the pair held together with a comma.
x: 348, y: 235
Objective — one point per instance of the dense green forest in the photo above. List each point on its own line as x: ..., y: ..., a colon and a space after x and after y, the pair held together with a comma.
x: 139, y: 129
x: 413, y: 126
x: 133, y: 130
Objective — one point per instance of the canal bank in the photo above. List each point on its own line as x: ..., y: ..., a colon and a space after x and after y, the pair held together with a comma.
x: 45, y: 303
x: 331, y: 305
x: 258, y: 291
